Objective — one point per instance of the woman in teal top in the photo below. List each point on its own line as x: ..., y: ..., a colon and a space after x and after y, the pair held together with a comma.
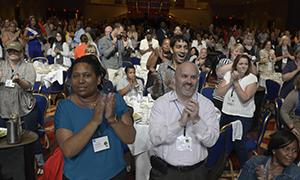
x: 91, y: 126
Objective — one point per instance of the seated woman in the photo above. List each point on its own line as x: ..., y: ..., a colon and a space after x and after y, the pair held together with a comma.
x: 278, y: 164
x: 130, y: 85
x: 238, y: 88
x: 290, y: 110
x: 92, y: 126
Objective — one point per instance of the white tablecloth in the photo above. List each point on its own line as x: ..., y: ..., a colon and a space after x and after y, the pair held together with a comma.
x: 141, y: 145
x: 273, y: 76
x: 142, y: 72
x: 48, y: 74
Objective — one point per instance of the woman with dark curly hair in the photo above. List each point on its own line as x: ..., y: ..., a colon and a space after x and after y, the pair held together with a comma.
x: 278, y: 164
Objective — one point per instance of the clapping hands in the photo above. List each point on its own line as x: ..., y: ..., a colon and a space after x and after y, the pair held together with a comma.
x: 105, y: 105
x: 190, y: 113
x: 235, y: 76
x: 15, y: 78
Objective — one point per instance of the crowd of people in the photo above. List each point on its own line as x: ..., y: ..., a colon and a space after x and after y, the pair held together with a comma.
x: 94, y: 124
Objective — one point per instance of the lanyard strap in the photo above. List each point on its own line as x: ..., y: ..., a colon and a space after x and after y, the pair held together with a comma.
x: 184, y: 128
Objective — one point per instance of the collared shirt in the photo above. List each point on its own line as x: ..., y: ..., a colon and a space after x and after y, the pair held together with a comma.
x: 164, y: 129
x: 16, y: 100
x: 111, y: 55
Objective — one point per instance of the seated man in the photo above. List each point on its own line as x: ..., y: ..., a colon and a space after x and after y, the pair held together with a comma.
x: 183, y: 124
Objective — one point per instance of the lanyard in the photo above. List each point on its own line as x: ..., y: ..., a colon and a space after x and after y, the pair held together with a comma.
x: 184, y: 128
x: 231, y: 94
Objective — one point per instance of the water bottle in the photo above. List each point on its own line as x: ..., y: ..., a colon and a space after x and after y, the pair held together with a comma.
x: 13, y: 130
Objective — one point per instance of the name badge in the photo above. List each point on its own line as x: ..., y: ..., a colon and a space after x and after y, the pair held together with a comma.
x: 100, y: 144
x: 9, y: 83
x: 184, y: 143
x: 230, y: 101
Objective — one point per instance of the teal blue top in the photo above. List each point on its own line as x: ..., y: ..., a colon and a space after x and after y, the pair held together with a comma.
x: 88, y: 165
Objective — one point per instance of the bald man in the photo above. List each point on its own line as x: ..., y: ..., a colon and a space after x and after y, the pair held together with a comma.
x: 183, y: 124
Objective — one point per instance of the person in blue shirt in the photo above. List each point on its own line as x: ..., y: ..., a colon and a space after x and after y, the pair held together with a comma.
x: 92, y: 126
x: 279, y: 164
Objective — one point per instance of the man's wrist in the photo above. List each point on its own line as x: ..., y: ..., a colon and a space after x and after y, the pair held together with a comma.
x: 182, y: 123
x: 196, y: 119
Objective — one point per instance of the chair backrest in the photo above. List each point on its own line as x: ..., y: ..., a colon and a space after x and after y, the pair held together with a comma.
x: 263, y: 127
x: 42, y: 104
x: 223, y: 146
x: 126, y: 63
x: 273, y: 89
x: 202, y: 79
x: 208, y: 92
x: 50, y: 59
x: 40, y: 59
x: 135, y: 61
x: 279, y: 121
x: 142, y: 79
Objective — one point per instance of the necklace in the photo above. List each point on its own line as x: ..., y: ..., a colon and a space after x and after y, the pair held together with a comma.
x: 92, y: 104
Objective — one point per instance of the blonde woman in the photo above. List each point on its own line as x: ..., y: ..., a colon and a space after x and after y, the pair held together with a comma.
x: 284, y: 53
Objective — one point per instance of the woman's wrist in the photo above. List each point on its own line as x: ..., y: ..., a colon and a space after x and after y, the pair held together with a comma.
x: 112, y: 120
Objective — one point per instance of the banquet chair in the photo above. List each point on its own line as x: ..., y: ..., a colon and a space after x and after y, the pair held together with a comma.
x: 218, y: 155
x: 273, y: 89
x: 202, y: 79
x: 126, y: 63
x: 42, y: 105
x: 208, y: 92
x: 135, y: 60
x: 280, y: 124
x: 50, y: 59
x: 40, y: 59
x: 253, y: 144
x: 54, y: 90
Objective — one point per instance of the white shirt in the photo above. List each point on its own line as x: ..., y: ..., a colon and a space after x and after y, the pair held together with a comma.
x: 144, y: 45
x: 198, y: 45
x: 232, y: 104
x: 133, y: 92
x: 164, y: 129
